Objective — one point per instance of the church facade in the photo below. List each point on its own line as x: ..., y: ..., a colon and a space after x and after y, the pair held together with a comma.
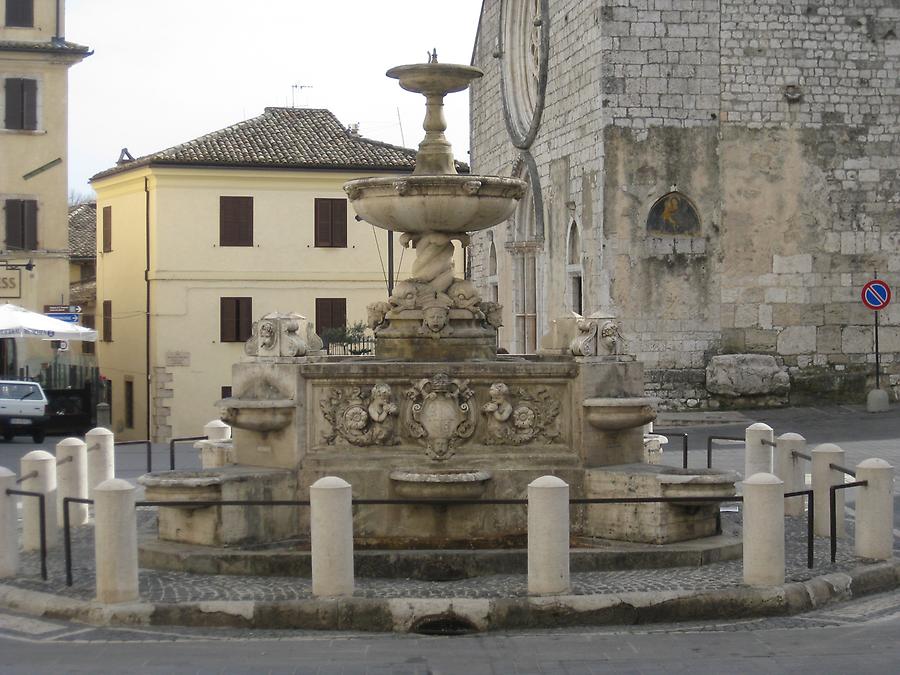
x: 723, y: 177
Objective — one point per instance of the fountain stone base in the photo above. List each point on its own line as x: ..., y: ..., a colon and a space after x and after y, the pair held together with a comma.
x: 654, y: 523
x: 226, y: 525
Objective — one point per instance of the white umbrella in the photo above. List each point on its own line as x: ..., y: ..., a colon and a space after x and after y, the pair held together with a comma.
x: 17, y: 321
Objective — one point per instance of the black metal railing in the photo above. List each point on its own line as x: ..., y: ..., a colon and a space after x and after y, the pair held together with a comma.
x: 810, y: 522
x: 684, y: 443
x: 709, y: 446
x: 141, y: 442
x: 67, y: 532
x: 832, y: 510
x: 182, y: 439
x: 842, y: 469
x: 42, y: 511
x: 433, y: 502
x: 350, y: 347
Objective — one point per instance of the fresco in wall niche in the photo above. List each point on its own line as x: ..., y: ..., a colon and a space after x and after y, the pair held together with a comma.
x: 674, y: 214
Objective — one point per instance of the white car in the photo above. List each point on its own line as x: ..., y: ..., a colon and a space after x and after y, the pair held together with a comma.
x: 23, y: 410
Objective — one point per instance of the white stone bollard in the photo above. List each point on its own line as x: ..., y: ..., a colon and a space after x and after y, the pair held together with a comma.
x: 40, y: 466
x: 217, y: 430
x: 763, y: 530
x: 9, y: 538
x: 72, y: 481
x: 824, y: 477
x: 115, y: 541
x: 101, y: 453
x: 548, y: 536
x: 213, y: 456
x: 790, y: 470
x: 875, y: 510
x: 757, y: 455
x: 331, y: 536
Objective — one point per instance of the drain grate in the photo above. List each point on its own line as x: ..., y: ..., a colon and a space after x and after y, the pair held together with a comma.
x: 444, y: 624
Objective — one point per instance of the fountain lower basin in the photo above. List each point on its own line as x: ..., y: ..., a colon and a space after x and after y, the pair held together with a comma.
x: 439, y: 485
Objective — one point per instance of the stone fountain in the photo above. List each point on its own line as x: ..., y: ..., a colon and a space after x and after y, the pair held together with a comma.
x: 435, y: 415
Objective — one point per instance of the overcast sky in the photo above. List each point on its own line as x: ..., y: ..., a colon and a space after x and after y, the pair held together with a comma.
x: 167, y: 71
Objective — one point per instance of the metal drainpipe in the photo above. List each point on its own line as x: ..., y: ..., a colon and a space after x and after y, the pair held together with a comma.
x: 147, y: 287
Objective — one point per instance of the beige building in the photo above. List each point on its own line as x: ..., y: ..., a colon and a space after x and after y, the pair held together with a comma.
x: 213, y: 234
x: 34, y: 62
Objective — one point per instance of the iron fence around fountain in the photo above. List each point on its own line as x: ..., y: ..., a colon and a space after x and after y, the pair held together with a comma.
x: 42, y: 516
x: 145, y: 442
x: 584, y: 501
x: 709, y: 446
x: 684, y: 443
x: 180, y: 439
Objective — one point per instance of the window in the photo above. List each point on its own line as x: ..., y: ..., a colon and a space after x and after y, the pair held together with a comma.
x: 235, y: 221
x: 129, y: 404
x: 107, y: 321
x: 331, y: 223
x: 526, y: 304
x: 88, y: 321
x: 225, y: 392
x: 331, y: 313
x: 21, y: 224
x: 235, y: 319
x: 574, y: 270
x: 21, y: 103
x: 107, y: 229
x: 20, y: 13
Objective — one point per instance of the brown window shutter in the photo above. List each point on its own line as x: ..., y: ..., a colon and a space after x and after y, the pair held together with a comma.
x: 107, y: 320
x: 14, y: 224
x: 244, y: 318
x: 29, y: 104
x: 323, y: 315
x: 13, y: 90
x: 245, y: 229
x: 339, y: 312
x: 87, y: 320
x: 29, y: 229
x: 107, y: 229
x: 20, y: 13
x: 323, y: 223
x: 236, y: 221
x: 227, y: 222
x: 339, y: 222
x: 227, y: 320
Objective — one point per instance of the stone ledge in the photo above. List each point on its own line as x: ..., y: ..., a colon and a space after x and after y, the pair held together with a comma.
x: 402, y: 614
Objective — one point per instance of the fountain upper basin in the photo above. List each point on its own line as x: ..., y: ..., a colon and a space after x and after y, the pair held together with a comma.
x: 448, y: 204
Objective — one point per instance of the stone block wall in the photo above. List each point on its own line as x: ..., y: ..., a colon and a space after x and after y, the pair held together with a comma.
x: 778, y: 120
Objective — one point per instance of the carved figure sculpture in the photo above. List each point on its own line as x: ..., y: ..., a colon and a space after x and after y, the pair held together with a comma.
x: 376, y: 312
x: 361, y: 418
x: 435, y: 321
x: 493, y: 313
x: 498, y: 409
x: 381, y: 411
x: 464, y: 295
x: 531, y: 418
x: 585, y: 343
x: 611, y: 340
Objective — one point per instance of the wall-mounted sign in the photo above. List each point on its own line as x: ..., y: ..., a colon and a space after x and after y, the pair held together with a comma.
x: 10, y: 283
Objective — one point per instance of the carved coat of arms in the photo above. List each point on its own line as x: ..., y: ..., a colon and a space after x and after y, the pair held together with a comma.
x: 440, y: 415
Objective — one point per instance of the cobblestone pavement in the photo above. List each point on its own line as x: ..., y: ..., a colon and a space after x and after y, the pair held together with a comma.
x: 164, y: 586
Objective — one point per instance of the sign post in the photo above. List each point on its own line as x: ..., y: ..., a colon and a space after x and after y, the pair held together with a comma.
x: 876, y: 295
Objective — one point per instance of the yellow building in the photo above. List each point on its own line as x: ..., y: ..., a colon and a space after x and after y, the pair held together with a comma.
x: 241, y: 222
x: 34, y: 64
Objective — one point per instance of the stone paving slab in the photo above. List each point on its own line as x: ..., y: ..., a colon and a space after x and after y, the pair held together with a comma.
x: 499, y: 601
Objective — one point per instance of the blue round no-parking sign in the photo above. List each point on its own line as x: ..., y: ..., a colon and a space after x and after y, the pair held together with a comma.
x: 876, y: 294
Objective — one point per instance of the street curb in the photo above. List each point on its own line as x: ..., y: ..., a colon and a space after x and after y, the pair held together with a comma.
x: 471, y: 614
